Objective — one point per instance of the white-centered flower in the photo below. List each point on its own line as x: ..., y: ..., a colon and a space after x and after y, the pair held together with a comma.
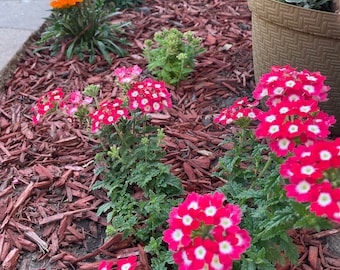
x: 308, y: 169
x: 272, y: 79
x: 225, y: 222
x: 200, y: 252
x: 293, y: 128
x: 215, y: 263
x: 293, y: 97
x: 283, y: 143
x: 305, y: 109
x: 290, y: 83
x: 193, y: 205
x: 126, y: 266
x: 278, y: 90
x: 239, y: 115
x: 270, y: 118
x: 325, y: 155
x: 309, y: 88
x: 210, y: 211
x: 311, y: 78
x: 273, y: 129
x: 284, y: 110
x: 324, y: 199
x: 225, y: 247
x: 303, y: 187
x: 314, y: 129
x: 177, y: 235
x: 187, y: 220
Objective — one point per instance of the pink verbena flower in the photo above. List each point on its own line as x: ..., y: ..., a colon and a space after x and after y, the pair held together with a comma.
x: 74, y: 102
x: 127, y: 76
x: 149, y: 96
x: 204, y: 233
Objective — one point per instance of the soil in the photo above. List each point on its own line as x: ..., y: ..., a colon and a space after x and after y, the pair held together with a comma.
x: 48, y: 211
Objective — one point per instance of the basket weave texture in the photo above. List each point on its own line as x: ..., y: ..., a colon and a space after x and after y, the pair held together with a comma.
x: 303, y: 38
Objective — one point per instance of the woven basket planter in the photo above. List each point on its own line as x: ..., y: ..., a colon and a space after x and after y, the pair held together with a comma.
x: 304, y: 38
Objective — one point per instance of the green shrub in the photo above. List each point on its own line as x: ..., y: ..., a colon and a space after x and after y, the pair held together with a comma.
x: 171, y: 55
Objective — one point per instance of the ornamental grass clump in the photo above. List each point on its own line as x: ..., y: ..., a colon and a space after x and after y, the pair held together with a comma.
x: 83, y: 28
x: 283, y: 171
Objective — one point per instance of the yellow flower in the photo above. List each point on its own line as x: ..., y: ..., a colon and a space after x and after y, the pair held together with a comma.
x: 64, y: 3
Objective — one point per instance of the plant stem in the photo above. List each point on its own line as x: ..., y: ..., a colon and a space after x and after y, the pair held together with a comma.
x: 269, y: 160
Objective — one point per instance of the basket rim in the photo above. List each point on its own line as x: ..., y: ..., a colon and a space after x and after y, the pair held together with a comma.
x: 326, y: 24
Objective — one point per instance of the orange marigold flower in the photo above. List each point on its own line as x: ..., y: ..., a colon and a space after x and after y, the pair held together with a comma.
x: 64, y: 3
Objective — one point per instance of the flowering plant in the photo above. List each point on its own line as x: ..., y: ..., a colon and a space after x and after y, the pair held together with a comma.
x: 204, y: 233
x: 129, y: 155
x: 282, y: 173
x: 171, y: 55
x: 87, y: 35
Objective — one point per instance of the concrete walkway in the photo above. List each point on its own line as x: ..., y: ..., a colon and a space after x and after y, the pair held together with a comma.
x: 19, y: 19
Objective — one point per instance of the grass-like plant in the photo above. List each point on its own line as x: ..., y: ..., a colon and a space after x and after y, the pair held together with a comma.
x: 171, y: 55
x: 123, y: 4
x: 83, y: 28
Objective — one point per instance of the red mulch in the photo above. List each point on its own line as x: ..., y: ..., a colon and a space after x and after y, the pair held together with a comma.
x: 48, y: 212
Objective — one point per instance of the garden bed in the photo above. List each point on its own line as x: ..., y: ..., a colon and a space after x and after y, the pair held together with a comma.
x: 48, y: 218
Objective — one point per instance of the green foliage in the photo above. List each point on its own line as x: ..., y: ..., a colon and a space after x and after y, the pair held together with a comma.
x: 84, y: 30
x: 123, y: 4
x: 324, y: 5
x: 141, y: 188
x: 171, y: 55
x: 254, y: 183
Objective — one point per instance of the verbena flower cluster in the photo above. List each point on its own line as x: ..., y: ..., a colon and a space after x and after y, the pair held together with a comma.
x: 127, y: 76
x: 149, y: 96
x: 204, y: 233
x: 293, y: 117
x: 296, y: 128
x: 295, y: 125
x: 241, y: 111
x: 46, y: 103
x: 108, y: 113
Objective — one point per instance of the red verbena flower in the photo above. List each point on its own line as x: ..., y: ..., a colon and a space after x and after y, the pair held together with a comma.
x: 129, y: 263
x: 105, y: 265
x: 46, y: 103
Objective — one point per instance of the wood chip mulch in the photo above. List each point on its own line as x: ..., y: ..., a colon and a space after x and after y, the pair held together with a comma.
x: 47, y: 208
